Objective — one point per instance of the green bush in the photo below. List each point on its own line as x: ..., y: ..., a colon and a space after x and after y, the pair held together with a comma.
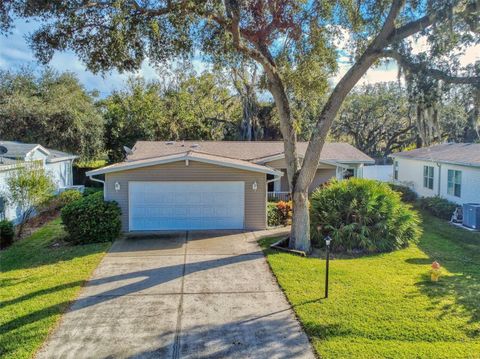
x: 91, y: 190
x: 362, y: 215
x: 273, y: 217
x: 438, y: 206
x: 68, y: 197
x: 91, y: 219
x: 7, y: 233
x: 406, y: 193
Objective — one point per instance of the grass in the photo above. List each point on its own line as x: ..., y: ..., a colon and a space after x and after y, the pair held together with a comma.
x: 38, y: 281
x: 385, y: 306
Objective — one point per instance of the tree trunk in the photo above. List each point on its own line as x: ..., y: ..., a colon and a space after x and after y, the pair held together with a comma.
x: 300, y: 232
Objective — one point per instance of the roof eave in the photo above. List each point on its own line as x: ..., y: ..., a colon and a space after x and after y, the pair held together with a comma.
x: 158, y: 161
x: 330, y: 162
x: 465, y: 164
x: 61, y: 159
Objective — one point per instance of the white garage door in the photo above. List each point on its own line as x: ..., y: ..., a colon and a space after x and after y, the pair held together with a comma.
x: 186, y: 205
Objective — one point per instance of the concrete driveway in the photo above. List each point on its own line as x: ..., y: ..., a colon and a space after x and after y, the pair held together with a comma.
x: 181, y: 295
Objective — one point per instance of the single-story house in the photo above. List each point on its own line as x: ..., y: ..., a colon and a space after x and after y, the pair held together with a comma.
x: 212, y: 184
x: 449, y: 170
x: 58, y: 164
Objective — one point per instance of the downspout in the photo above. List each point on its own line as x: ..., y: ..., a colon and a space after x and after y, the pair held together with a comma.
x: 99, y: 180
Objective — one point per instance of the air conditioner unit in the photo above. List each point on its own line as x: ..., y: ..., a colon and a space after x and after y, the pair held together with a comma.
x: 79, y: 188
x: 471, y: 215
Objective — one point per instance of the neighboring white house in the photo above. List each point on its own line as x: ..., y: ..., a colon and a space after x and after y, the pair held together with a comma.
x: 383, y: 173
x: 449, y: 170
x: 57, y: 164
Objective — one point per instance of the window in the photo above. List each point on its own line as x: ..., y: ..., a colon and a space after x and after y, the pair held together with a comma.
x: 2, y: 208
x: 395, y: 170
x: 348, y: 173
x: 428, y: 177
x: 454, y: 184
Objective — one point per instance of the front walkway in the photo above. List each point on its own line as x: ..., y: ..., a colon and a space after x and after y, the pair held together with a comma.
x: 181, y: 295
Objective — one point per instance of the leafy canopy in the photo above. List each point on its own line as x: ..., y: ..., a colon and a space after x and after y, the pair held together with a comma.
x: 52, y: 109
x: 194, y: 107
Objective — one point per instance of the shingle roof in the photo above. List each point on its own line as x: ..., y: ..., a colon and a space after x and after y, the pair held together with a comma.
x: 18, y: 151
x: 190, y: 155
x: 467, y: 154
x: 242, y: 150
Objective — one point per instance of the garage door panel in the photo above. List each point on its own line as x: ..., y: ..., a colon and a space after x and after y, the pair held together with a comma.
x: 186, y: 205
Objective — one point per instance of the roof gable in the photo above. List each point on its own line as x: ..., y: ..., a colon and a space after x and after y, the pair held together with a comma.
x: 19, y: 151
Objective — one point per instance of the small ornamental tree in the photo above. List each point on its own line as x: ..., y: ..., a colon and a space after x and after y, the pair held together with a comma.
x: 29, y: 187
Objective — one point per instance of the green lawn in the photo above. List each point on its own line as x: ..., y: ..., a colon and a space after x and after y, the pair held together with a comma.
x: 37, y: 283
x: 385, y: 306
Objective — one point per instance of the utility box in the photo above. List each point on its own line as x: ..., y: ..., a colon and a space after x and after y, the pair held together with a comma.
x: 471, y: 215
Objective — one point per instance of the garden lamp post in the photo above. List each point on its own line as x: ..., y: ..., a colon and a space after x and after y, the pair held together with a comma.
x: 328, y: 239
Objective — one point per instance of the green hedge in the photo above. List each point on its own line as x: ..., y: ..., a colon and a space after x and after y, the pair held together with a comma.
x: 406, y: 193
x: 7, y: 233
x: 91, y: 190
x: 439, y: 207
x: 91, y: 219
x: 362, y: 215
x: 68, y: 197
x: 273, y: 217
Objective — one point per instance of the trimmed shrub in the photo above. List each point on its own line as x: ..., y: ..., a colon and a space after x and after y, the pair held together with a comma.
x: 439, y: 207
x: 279, y: 214
x: 67, y: 197
x: 362, y: 215
x: 285, y: 212
x: 273, y: 217
x: 406, y: 193
x: 91, y: 190
x: 7, y: 233
x: 91, y: 219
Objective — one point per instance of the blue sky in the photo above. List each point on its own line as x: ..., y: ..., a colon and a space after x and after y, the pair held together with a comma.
x: 15, y: 53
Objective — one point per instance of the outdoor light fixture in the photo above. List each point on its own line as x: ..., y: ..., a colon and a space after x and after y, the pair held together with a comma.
x: 255, y: 186
x: 328, y: 240
x: 117, y: 186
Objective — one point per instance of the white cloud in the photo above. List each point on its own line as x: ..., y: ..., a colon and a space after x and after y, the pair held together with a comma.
x: 384, y: 73
x: 389, y: 71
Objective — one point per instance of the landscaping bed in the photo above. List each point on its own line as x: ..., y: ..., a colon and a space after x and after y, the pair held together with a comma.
x: 385, y: 305
x: 40, y: 276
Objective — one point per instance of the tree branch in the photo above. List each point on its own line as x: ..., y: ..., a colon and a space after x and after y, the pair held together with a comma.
x: 435, y: 73
x: 341, y: 90
x: 412, y: 28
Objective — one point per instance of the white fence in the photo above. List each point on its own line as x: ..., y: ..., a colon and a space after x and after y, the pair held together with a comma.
x: 382, y: 173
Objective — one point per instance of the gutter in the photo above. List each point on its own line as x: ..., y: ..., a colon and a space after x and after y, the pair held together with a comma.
x: 275, y: 178
x: 96, y: 180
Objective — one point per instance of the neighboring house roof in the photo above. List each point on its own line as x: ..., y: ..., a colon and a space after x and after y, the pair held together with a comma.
x: 18, y: 151
x: 253, y: 151
x: 186, y: 155
x: 465, y: 154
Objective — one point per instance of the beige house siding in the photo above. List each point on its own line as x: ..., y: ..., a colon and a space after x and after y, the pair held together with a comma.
x: 255, y: 208
x: 321, y: 176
